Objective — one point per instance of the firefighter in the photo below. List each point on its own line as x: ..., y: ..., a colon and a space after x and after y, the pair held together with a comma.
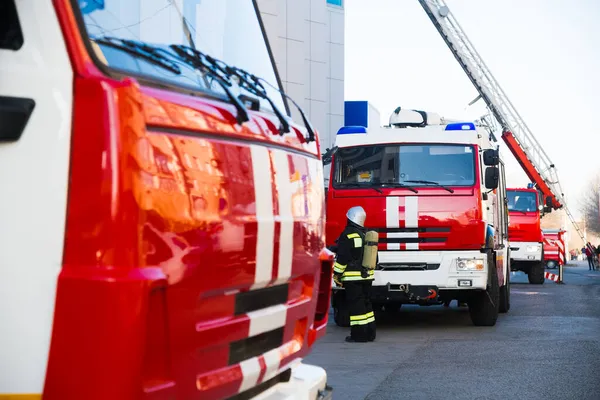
x: 356, y: 279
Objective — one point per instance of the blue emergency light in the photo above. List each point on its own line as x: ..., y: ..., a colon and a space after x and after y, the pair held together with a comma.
x: 460, y: 126
x: 346, y: 130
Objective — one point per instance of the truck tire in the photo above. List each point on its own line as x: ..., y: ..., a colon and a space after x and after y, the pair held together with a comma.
x: 484, y: 305
x: 505, y: 295
x: 536, y: 273
x: 341, y: 312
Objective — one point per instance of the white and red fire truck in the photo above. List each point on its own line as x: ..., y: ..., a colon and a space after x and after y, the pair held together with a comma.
x: 435, y: 191
x: 162, y: 230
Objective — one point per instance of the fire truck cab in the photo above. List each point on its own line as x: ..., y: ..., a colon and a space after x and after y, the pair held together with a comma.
x: 525, y: 233
x: 435, y: 192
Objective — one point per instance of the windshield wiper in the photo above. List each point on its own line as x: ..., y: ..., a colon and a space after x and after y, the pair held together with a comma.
x: 207, y: 66
x: 251, y: 84
x: 432, y: 183
x: 152, y: 54
x: 399, y: 185
x: 309, y: 128
x: 358, y: 185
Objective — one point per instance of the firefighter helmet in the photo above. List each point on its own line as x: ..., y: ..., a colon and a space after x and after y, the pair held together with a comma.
x: 357, y: 215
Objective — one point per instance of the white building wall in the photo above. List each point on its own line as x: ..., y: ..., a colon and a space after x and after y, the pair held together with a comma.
x: 307, y: 41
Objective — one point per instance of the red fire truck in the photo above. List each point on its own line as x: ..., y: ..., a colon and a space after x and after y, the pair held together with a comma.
x: 525, y: 233
x: 435, y: 192
x: 162, y: 229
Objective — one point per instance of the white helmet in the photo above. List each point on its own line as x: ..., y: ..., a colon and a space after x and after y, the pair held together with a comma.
x: 357, y: 215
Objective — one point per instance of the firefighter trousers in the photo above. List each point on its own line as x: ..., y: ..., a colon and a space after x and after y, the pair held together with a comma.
x: 362, y: 318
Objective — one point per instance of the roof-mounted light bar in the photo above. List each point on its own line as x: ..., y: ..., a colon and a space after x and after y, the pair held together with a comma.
x: 348, y: 130
x: 460, y: 126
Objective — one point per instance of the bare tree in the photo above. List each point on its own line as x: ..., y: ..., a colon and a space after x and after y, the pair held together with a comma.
x: 590, y: 205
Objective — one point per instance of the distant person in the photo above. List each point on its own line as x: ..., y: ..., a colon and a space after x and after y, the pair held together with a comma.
x: 590, y: 257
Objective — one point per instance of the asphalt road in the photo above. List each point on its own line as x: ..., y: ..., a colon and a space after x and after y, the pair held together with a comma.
x: 546, y: 347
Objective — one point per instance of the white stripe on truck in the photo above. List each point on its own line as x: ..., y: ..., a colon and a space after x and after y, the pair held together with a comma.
x: 412, y: 219
x: 392, y: 219
x: 263, y: 194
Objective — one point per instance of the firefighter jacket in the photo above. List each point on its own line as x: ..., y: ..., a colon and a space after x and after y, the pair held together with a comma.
x: 348, y: 264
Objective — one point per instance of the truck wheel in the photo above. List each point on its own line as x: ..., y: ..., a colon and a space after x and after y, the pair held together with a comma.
x: 341, y: 312
x: 484, y: 305
x: 505, y: 295
x: 536, y: 273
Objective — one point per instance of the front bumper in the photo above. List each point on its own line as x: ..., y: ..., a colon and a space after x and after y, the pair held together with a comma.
x: 441, y: 269
x: 526, y: 251
x: 307, y: 382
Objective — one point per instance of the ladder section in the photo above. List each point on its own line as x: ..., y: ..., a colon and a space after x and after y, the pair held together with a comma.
x: 516, y: 133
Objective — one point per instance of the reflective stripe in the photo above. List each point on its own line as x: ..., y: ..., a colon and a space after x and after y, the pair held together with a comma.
x: 357, y: 239
x: 363, y: 321
x: 339, y: 268
x: 362, y: 316
x: 356, y: 276
x: 20, y: 396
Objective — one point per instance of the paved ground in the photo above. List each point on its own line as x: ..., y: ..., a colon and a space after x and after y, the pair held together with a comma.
x: 546, y: 347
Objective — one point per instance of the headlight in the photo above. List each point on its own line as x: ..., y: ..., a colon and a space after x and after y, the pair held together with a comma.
x: 469, y: 265
x: 533, y: 249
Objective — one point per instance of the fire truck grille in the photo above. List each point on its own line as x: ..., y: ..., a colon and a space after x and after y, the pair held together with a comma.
x: 413, y: 235
x: 244, y: 349
x: 253, y: 300
x: 407, y: 267
x: 413, y: 240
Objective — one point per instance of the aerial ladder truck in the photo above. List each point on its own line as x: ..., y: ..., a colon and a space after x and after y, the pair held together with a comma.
x: 515, y: 132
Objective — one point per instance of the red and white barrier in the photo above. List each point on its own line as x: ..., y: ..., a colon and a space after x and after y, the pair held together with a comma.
x: 552, y: 277
x: 556, y: 243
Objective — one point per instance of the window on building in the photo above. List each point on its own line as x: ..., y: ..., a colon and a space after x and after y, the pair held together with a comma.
x: 335, y: 2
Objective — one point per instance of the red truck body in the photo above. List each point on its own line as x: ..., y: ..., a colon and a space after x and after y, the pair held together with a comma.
x: 525, y: 233
x: 524, y: 226
x: 445, y: 221
x: 194, y: 262
x: 428, y: 192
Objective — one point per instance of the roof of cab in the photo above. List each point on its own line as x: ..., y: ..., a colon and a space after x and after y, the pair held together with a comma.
x: 363, y: 128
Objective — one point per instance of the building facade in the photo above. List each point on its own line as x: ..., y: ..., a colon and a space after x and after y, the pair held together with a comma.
x: 307, y: 42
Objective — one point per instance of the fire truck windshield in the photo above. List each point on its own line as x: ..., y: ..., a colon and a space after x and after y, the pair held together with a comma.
x: 415, y: 165
x: 521, y: 201
x: 228, y: 30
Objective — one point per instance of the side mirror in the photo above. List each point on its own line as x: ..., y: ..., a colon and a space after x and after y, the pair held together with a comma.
x: 328, y: 155
x: 549, y: 201
x: 492, y: 176
x: 491, y: 157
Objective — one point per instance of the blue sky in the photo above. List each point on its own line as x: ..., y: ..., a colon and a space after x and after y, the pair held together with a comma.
x: 544, y: 53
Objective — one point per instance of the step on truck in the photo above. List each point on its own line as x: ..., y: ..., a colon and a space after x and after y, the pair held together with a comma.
x: 162, y: 230
x: 435, y: 192
x: 525, y: 233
